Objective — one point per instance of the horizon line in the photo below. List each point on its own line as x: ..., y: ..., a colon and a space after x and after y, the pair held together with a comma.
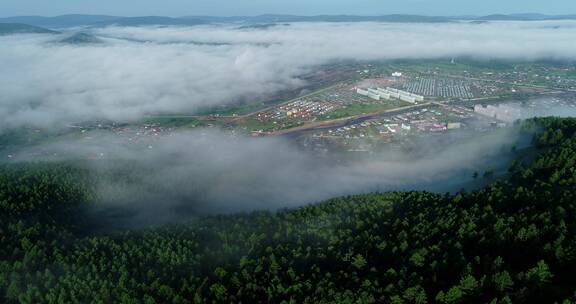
x: 299, y: 15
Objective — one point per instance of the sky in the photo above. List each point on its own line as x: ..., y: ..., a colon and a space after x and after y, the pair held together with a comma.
x: 300, y: 7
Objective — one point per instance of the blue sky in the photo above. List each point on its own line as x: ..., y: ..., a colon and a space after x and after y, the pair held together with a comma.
x: 301, y: 7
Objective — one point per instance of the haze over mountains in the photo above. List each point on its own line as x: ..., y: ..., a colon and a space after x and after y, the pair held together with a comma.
x: 104, y: 20
x: 19, y: 28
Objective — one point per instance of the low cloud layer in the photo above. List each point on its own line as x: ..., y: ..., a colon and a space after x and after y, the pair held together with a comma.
x: 180, y: 69
x: 201, y: 172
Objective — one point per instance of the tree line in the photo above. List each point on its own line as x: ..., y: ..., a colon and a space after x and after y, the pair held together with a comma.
x: 510, y: 242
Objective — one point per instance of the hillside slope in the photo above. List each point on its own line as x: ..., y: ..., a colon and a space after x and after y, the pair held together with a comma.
x: 512, y: 242
x: 18, y: 28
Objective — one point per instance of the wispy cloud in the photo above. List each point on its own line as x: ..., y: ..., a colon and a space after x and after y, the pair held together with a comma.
x: 143, y: 70
x: 199, y: 172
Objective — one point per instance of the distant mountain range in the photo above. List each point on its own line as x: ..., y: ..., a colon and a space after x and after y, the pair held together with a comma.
x: 321, y: 18
x: 103, y: 20
x: 525, y: 17
x: 382, y: 18
x: 98, y: 20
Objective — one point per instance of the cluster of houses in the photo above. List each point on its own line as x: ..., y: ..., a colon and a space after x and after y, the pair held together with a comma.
x: 300, y: 109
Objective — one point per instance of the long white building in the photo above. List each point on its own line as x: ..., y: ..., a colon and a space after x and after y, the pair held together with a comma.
x: 383, y: 93
x: 408, y: 94
x: 379, y: 93
x: 407, y: 98
x: 389, y: 93
x: 368, y: 93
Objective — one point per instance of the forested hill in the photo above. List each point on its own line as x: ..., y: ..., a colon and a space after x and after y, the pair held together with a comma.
x: 512, y: 242
x: 17, y: 28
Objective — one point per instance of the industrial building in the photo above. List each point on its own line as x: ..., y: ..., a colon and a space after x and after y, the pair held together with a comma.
x: 406, y: 94
x: 389, y: 93
x: 368, y: 93
x: 383, y: 93
x: 501, y: 112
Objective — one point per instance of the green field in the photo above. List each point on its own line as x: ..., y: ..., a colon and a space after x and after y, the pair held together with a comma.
x: 168, y: 121
x: 253, y: 124
x: 359, y: 109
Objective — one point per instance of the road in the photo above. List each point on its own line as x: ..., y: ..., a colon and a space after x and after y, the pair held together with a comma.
x: 340, y: 122
x: 334, y: 123
x: 359, y: 118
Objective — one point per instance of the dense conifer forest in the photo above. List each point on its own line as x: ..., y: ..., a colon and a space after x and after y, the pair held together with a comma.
x: 511, y: 242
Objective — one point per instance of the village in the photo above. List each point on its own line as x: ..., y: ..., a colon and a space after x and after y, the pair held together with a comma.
x: 375, y: 108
